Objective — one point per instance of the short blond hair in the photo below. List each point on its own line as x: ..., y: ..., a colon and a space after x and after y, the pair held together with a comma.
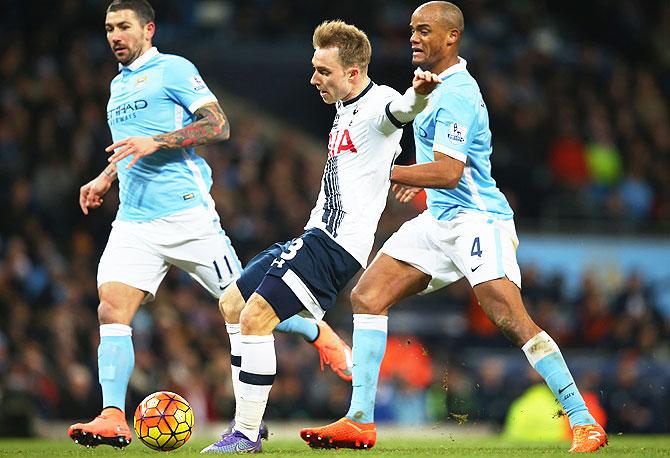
x: 352, y: 43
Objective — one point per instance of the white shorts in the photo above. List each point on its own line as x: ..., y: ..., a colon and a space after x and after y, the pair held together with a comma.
x: 139, y: 254
x: 473, y: 245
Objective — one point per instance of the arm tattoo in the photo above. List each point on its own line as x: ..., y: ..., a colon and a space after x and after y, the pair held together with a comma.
x: 110, y: 171
x: 211, y: 126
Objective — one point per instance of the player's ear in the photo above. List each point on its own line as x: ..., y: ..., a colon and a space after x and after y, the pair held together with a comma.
x: 453, y: 36
x: 353, y: 72
x: 150, y: 30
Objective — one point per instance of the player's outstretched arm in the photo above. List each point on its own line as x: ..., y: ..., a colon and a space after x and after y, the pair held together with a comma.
x: 90, y: 195
x: 211, y: 126
x: 424, y: 82
x: 405, y: 108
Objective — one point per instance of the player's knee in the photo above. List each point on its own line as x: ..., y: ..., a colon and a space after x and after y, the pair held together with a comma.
x: 251, y: 323
x: 230, y: 309
x: 257, y: 319
x: 108, y: 313
x: 363, y: 301
x: 231, y: 303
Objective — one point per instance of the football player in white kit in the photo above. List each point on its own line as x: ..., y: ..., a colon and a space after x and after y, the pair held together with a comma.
x: 467, y: 231
x: 306, y: 274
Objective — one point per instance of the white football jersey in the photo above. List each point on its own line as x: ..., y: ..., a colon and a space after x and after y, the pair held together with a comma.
x: 362, y: 146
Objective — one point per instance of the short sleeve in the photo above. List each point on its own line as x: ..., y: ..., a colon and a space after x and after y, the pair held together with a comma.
x: 383, y: 120
x: 184, y: 84
x: 454, y: 126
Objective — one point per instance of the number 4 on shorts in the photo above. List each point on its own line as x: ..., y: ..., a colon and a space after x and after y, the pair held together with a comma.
x: 476, y: 248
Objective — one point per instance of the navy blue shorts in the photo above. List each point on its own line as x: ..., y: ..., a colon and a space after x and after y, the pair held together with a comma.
x: 305, y: 273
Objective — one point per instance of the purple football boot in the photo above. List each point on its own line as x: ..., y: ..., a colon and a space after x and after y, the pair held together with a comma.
x: 235, y: 442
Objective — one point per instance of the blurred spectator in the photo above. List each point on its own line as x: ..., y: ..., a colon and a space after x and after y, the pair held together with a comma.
x: 635, y: 409
x: 567, y: 158
x: 405, y: 374
x: 492, y: 399
x: 78, y: 396
x: 635, y: 191
x: 534, y: 417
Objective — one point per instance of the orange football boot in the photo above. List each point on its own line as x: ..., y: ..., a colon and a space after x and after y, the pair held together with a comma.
x: 344, y: 433
x: 108, y: 428
x: 588, y: 438
x: 333, y: 351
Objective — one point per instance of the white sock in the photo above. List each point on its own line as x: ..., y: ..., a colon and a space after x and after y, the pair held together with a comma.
x: 259, y: 366
x: 235, y: 358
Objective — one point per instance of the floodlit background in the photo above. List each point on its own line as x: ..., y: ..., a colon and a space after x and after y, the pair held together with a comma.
x: 578, y: 97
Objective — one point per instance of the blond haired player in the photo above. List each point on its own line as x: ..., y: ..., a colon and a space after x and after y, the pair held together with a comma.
x: 306, y: 274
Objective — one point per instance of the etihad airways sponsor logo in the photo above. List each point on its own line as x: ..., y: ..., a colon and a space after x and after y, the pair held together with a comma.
x: 126, y: 111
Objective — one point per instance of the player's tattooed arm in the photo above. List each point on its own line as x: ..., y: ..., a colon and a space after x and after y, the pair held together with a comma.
x: 211, y: 126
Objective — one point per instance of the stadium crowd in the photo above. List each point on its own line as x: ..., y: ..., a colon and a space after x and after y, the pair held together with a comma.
x: 581, y: 131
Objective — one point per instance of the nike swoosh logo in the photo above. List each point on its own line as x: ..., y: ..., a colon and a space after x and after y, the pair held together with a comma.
x: 475, y: 268
x: 565, y: 388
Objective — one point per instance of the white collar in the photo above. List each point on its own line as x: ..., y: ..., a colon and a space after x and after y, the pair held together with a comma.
x: 459, y: 67
x: 143, y: 59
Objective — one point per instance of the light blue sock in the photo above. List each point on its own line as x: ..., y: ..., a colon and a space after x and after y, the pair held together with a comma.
x: 545, y: 356
x: 116, y: 359
x: 301, y: 326
x: 369, y: 346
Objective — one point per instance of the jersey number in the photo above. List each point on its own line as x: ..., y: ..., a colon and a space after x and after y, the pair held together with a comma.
x: 340, y: 142
x: 476, y: 248
x: 289, y: 254
x: 218, y: 271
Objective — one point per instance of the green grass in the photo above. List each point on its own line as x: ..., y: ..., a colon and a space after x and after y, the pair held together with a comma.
x: 647, y: 446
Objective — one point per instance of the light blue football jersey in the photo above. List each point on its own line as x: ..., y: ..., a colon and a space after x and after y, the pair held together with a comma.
x: 456, y: 123
x: 156, y: 94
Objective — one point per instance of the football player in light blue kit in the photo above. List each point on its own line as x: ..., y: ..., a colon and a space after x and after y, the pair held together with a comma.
x: 159, y: 110
x: 467, y: 231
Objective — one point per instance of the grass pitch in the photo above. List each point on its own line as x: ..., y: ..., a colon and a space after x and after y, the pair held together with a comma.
x: 620, y: 446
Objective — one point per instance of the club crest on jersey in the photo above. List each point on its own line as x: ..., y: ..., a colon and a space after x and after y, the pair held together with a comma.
x: 141, y: 81
x: 457, y: 134
x: 339, y: 142
x: 337, y: 119
x: 197, y: 83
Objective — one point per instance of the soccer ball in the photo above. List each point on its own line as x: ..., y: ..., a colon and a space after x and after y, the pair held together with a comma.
x: 163, y: 421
